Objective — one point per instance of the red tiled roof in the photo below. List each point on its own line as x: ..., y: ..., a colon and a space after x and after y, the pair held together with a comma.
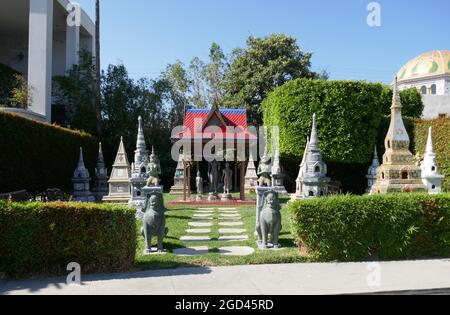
x: 196, y: 124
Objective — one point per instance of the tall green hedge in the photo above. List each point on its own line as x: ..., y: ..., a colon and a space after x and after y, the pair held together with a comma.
x: 384, y: 227
x: 36, y: 156
x: 42, y: 239
x: 348, y: 116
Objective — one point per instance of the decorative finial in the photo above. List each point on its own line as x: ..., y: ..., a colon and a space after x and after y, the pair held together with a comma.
x: 430, y: 147
x: 396, y: 101
x: 314, y: 140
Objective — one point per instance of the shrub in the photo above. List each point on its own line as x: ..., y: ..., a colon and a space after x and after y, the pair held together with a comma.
x: 8, y: 82
x: 36, y: 156
x: 41, y: 239
x: 354, y: 228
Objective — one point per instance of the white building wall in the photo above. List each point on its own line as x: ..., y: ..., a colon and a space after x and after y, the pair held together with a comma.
x: 59, y: 53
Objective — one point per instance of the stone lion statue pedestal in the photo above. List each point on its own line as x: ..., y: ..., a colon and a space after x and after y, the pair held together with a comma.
x: 268, y: 218
x: 154, y: 220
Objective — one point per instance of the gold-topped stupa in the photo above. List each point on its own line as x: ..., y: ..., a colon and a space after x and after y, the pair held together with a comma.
x: 398, y: 173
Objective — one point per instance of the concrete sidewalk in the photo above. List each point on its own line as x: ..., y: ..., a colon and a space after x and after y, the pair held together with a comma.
x: 329, y: 278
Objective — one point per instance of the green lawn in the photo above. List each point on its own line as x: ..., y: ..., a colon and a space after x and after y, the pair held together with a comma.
x: 177, y: 222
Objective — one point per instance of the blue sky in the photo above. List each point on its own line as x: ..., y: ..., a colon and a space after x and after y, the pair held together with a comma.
x: 146, y: 35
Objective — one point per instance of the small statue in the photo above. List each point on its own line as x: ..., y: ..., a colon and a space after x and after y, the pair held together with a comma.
x: 213, y: 174
x: 265, y: 171
x: 154, y: 170
x: 227, y: 178
x: 154, y: 222
x: 199, y: 183
x: 269, y: 221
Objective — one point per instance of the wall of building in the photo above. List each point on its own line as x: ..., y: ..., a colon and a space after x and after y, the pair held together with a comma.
x: 436, y: 105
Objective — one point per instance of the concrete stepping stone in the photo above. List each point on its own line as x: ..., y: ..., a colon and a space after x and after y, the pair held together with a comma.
x: 203, y: 215
x: 200, y: 224
x: 191, y: 251
x: 227, y: 209
x: 204, y: 212
x: 195, y: 238
x: 236, y: 251
x: 228, y: 212
x: 198, y: 231
x: 205, y: 209
x: 233, y: 238
x: 230, y: 215
x: 231, y: 223
x: 232, y: 231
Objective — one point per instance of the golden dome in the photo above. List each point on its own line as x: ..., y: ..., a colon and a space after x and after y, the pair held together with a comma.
x: 430, y: 64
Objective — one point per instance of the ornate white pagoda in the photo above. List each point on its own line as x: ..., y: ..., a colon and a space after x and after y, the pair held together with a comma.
x: 430, y: 172
x: 251, y: 178
x: 372, y: 172
x: 178, y: 187
x: 80, y: 180
x: 139, y: 170
x: 277, y: 175
x: 119, y: 182
x: 314, y: 181
x: 398, y: 173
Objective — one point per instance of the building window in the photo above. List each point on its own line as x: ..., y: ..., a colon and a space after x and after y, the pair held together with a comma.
x: 441, y: 116
x: 433, y: 89
x: 433, y: 187
x: 382, y: 175
x: 423, y: 90
x: 433, y: 168
x: 404, y: 175
x: 317, y: 169
x: 311, y: 194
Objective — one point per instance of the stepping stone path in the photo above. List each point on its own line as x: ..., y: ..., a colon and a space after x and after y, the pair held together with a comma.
x: 203, y: 220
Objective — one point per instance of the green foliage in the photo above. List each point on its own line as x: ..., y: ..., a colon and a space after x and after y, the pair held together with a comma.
x: 75, y: 91
x: 8, y: 82
x: 441, y: 141
x: 352, y: 228
x: 265, y: 64
x: 348, y: 117
x: 36, y: 156
x: 21, y: 94
x: 411, y: 101
x: 42, y: 239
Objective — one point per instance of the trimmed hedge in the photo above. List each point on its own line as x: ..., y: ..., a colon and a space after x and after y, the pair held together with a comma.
x: 382, y: 227
x: 36, y: 156
x: 41, y: 239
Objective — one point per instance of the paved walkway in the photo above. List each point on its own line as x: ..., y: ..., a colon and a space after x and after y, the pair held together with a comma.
x: 254, y: 280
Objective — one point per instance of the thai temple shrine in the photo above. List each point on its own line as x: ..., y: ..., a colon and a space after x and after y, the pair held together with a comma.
x: 398, y: 173
x: 227, y: 127
x: 431, y: 177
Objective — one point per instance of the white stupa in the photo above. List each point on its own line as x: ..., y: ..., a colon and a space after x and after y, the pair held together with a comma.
x: 430, y: 173
x: 314, y: 179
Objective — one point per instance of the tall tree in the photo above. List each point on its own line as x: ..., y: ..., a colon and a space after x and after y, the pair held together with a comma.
x: 215, y: 74
x: 177, y: 85
x: 265, y: 64
x: 75, y: 91
x: 197, y: 71
x: 97, y: 68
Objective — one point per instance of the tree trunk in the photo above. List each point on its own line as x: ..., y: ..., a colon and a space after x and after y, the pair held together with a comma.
x: 97, y: 68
